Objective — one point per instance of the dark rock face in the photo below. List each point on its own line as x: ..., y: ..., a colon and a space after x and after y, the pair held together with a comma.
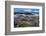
x: 18, y: 18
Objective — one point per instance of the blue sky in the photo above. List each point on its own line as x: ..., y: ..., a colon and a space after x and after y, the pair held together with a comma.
x: 26, y: 10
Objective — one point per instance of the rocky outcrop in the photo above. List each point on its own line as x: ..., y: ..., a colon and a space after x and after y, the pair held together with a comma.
x: 30, y: 19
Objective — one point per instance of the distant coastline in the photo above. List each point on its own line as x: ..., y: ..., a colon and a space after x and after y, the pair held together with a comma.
x: 26, y: 13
